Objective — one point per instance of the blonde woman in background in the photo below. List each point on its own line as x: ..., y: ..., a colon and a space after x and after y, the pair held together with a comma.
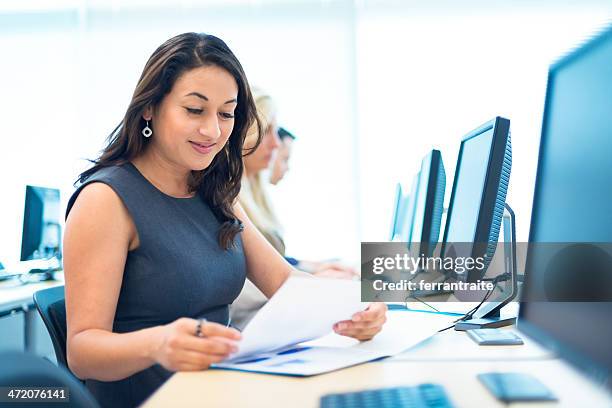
x: 253, y: 195
x: 256, y: 203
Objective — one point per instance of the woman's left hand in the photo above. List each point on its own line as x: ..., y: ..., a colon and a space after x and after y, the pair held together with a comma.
x: 365, y: 324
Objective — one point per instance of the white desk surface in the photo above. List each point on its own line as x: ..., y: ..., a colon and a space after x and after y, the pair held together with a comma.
x: 449, y: 358
x: 14, y: 295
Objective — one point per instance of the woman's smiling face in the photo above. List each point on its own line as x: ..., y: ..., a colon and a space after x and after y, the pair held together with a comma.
x: 193, y: 122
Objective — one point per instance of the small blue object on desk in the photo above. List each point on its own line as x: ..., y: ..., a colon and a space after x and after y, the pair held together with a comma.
x: 494, y: 337
x: 420, y: 396
x: 510, y: 387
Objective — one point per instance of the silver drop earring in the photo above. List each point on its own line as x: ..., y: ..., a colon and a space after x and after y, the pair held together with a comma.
x: 147, y: 132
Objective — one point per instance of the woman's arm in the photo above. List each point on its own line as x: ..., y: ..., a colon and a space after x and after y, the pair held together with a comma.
x: 99, y: 233
x: 266, y: 268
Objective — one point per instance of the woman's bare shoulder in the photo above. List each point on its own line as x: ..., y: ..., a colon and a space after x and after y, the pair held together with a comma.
x: 100, y: 208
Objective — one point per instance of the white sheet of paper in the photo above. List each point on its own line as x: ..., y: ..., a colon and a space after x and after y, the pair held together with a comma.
x: 302, y: 309
x: 402, y: 330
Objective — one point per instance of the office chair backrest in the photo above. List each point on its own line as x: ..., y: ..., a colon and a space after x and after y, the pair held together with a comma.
x: 52, y: 308
x: 21, y: 370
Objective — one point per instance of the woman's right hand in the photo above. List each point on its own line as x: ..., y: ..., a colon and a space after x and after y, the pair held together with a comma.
x: 179, y: 349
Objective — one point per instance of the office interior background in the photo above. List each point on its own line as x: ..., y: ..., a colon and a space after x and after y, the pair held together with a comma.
x: 368, y: 87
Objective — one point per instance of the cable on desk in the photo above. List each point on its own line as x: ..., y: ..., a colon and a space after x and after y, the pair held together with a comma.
x: 468, y: 315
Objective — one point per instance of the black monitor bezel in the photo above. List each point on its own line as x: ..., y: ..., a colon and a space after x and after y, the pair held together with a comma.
x: 29, y: 191
x: 501, y: 131
x: 591, y: 368
x: 426, y: 246
x: 406, y: 231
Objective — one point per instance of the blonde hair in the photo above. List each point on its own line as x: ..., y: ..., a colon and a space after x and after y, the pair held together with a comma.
x: 266, y: 112
x: 253, y: 195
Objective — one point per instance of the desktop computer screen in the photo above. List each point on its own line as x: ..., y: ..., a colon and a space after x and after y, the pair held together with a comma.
x: 478, y: 197
x: 407, y: 209
x: 396, y: 218
x: 41, y: 235
x: 429, y: 204
x: 571, y: 213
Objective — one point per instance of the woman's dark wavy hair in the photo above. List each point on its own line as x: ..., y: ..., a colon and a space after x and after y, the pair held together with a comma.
x: 219, y: 184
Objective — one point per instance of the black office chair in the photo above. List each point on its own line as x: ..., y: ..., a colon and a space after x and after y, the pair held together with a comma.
x: 52, y: 308
x: 21, y: 370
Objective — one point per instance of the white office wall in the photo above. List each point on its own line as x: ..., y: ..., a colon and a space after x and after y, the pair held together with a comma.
x: 37, y: 121
x: 430, y: 73
x: 367, y: 86
x: 71, y: 73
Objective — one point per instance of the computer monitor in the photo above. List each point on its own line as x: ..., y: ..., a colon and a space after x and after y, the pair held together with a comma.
x: 396, y: 218
x: 571, y: 208
x: 478, y: 196
x: 41, y: 235
x: 405, y: 232
x: 429, y: 204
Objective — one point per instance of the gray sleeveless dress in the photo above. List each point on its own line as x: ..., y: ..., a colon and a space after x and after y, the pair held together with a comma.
x: 179, y: 270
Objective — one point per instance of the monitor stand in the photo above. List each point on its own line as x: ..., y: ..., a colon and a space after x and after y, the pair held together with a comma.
x: 487, y: 315
x: 484, y: 323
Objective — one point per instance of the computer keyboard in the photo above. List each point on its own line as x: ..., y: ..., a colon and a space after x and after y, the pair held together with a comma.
x: 4, y: 274
x: 420, y: 396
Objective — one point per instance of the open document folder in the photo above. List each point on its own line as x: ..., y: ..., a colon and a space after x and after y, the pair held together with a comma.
x: 276, y: 340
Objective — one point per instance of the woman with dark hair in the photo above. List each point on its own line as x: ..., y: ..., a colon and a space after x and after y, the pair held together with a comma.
x: 156, y: 247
